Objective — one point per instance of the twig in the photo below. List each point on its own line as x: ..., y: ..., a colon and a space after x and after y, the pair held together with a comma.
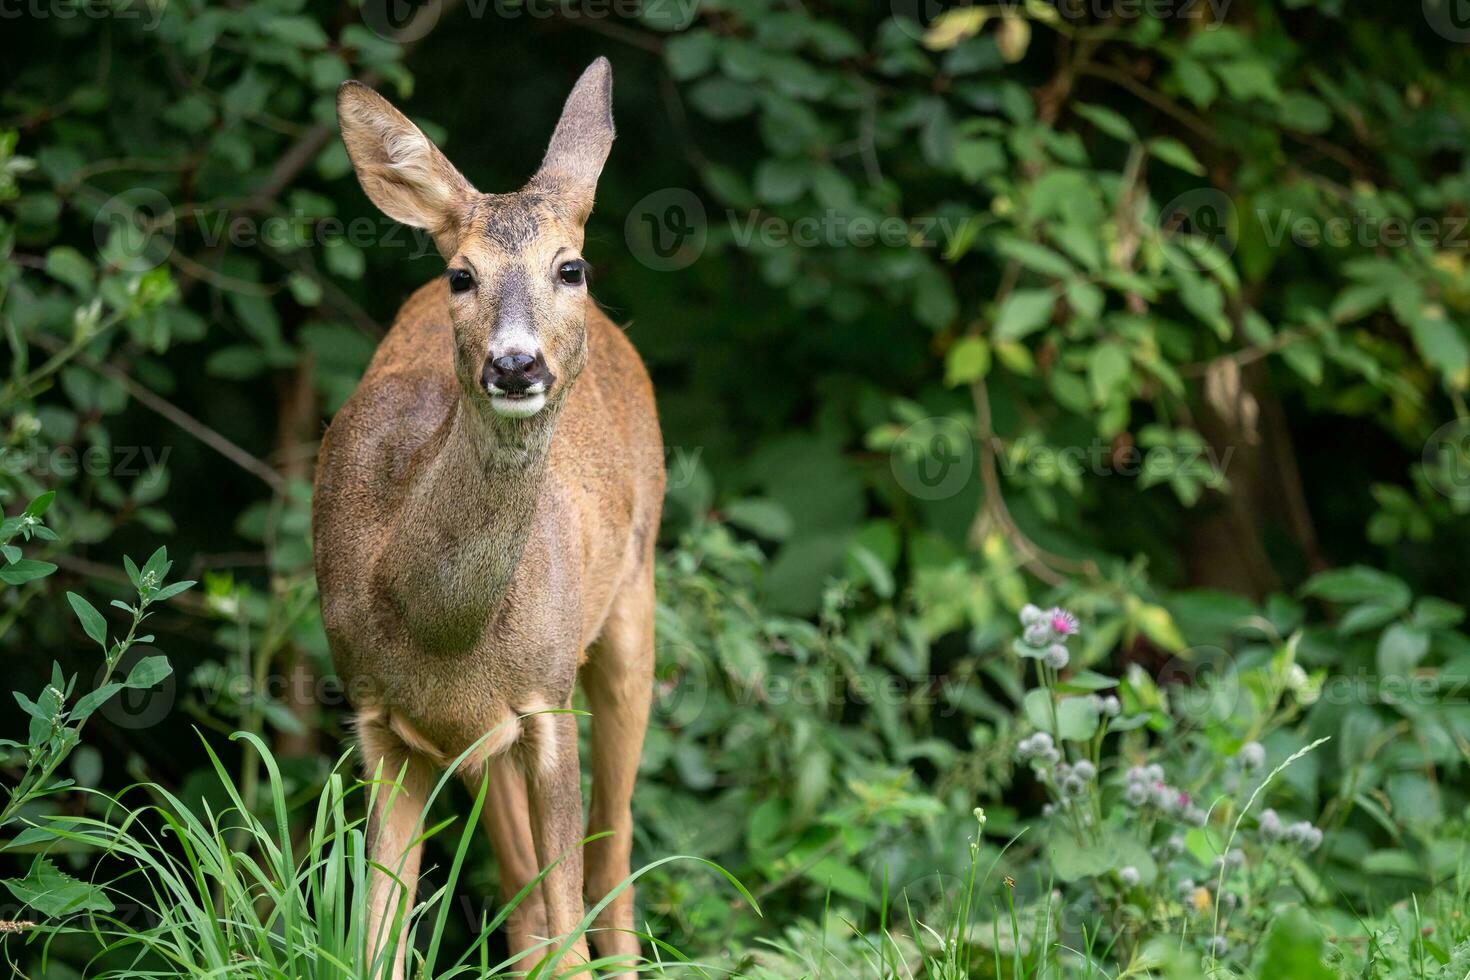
x: 1165, y: 105
x: 1039, y: 561
x: 180, y: 418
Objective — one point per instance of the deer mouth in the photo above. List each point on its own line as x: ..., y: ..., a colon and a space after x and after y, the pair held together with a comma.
x: 520, y: 404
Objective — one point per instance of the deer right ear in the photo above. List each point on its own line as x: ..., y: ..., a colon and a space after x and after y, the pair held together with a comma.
x: 582, y: 141
x: 400, y: 168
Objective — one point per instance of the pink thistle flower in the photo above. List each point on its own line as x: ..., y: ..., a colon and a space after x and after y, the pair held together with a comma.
x: 1062, y: 622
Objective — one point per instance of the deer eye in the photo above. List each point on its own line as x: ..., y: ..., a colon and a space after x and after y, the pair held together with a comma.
x: 573, y: 273
x: 460, y: 280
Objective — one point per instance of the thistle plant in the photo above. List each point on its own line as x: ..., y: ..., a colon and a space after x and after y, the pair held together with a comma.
x: 1158, y: 839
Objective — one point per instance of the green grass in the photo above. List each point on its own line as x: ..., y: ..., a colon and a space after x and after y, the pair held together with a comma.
x: 231, y: 894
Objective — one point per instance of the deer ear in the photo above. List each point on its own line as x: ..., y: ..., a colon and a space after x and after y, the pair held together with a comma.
x: 400, y: 168
x: 582, y: 140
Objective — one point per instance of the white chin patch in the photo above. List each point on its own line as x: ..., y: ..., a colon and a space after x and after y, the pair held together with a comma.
x: 518, y: 408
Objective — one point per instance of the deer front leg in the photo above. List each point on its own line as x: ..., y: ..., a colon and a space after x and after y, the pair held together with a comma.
x: 618, y: 682
x: 507, y: 820
x: 554, y: 792
x: 398, y: 800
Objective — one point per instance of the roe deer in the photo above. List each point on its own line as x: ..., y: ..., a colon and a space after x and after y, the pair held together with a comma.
x: 484, y: 522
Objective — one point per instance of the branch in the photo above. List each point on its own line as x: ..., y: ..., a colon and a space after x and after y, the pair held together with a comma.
x: 178, y: 417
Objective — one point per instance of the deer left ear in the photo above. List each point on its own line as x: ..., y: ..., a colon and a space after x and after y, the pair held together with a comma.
x: 400, y: 168
x: 582, y: 140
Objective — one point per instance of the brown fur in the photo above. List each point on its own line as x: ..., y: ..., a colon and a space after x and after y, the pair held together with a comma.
x: 470, y: 563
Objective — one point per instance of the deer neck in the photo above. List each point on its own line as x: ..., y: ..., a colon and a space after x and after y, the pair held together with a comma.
x: 466, y: 520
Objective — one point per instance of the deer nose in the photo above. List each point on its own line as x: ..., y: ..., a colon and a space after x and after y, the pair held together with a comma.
x: 517, y: 373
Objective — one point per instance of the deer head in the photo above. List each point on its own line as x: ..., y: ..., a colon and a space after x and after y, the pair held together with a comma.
x: 516, y: 279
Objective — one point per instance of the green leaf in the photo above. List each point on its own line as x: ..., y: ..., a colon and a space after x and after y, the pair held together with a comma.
x: 976, y: 159
x: 1087, y: 681
x: 1108, y: 121
x: 1085, y: 299
x: 173, y: 589
x: 760, y: 516
x: 1024, y: 312
x: 690, y: 55
x: 41, y: 504
x: 1176, y: 154
x: 1437, y: 614
x: 1293, y: 948
x: 1075, y: 719
x: 304, y: 289
x: 1195, y: 82
x: 1036, y: 257
x: 1073, y: 861
x: 966, y: 360
x: 297, y: 32
x: 723, y: 98
x: 92, y: 700
x: 93, y: 623
x: 1368, y: 616
x: 71, y: 267
x: 781, y: 181
x: 1158, y: 626
x: 1305, y: 113
x: 148, y: 672
x: 1247, y: 80
x: 1400, y: 649
x: 1442, y: 347
x: 1107, y: 369
x: 25, y: 570
x: 236, y: 362
x: 53, y: 892
x: 1359, y: 583
x: 872, y: 566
